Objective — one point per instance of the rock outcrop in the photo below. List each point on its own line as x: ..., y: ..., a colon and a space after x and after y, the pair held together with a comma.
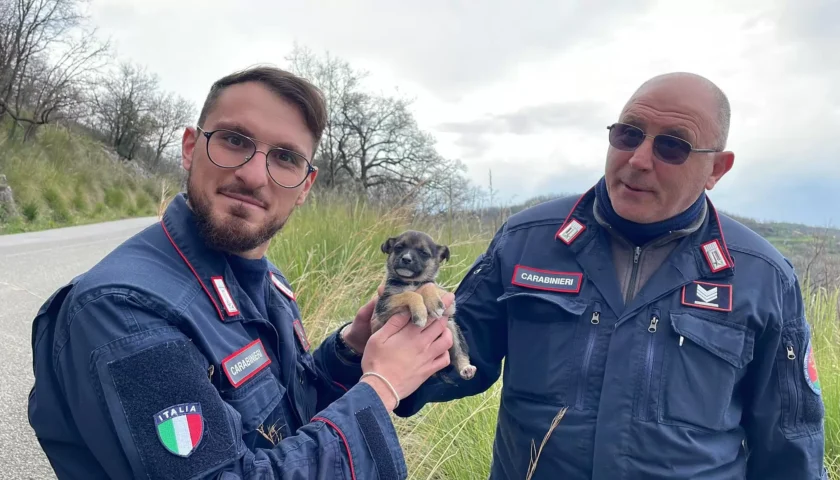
x: 7, y: 200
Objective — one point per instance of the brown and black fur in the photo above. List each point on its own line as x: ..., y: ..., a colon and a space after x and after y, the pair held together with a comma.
x: 411, y: 269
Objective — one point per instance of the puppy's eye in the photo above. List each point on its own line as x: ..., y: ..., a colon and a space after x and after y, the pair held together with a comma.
x: 425, y: 253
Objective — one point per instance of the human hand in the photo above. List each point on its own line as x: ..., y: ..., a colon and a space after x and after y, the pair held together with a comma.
x: 406, y: 355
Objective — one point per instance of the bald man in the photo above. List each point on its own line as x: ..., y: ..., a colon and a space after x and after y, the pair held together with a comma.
x: 672, y: 338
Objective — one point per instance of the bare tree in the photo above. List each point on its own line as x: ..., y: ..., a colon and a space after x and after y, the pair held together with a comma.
x: 28, y: 28
x: 50, y: 91
x: 338, y: 82
x: 122, y: 107
x: 372, y: 142
x: 169, y: 115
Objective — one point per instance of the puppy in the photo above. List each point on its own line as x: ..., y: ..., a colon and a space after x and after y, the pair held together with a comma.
x: 410, y: 272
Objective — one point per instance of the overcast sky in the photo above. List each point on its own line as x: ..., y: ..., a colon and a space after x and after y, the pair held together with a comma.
x: 528, y: 90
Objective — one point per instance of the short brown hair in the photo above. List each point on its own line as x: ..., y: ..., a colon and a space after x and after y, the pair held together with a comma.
x: 297, y: 90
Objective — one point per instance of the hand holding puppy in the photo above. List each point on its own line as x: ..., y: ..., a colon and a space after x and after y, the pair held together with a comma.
x: 404, y: 355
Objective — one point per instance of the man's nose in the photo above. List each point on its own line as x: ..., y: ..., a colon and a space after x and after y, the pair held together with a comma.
x: 643, y: 158
x: 406, y: 259
x: 254, y: 173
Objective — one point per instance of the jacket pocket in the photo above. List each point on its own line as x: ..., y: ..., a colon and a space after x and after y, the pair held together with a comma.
x: 544, y: 364
x: 802, y: 407
x: 704, y: 359
x: 255, y: 400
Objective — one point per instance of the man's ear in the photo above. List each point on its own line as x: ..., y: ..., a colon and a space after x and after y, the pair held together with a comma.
x: 388, y: 245
x: 722, y: 163
x: 443, y: 253
x: 188, y: 141
x: 307, y: 186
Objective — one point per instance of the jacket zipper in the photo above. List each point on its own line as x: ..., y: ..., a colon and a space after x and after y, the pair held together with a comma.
x: 637, y: 252
x: 291, y: 404
x: 791, y: 355
x: 654, y: 321
x: 584, y: 373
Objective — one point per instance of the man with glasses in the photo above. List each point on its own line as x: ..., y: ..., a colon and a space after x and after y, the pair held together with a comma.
x: 182, y: 354
x: 644, y: 335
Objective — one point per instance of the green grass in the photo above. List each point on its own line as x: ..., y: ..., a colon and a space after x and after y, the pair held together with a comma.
x: 330, y: 251
x: 822, y: 311
x: 61, y: 179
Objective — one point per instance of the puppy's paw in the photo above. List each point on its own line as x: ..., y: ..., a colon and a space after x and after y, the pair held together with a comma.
x: 419, y: 318
x: 434, y: 305
x: 467, y: 372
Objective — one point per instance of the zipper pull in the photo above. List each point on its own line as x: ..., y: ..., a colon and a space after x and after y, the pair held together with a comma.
x: 596, y: 317
x: 636, y: 255
x: 791, y: 355
x: 653, y: 321
x: 681, y: 340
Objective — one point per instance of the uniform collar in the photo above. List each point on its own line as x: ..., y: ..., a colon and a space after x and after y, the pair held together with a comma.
x: 707, y: 243
x: 210, y: 267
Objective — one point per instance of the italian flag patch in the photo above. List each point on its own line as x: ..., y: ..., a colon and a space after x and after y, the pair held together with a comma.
x: 810, y: 366
x: 180, y: 428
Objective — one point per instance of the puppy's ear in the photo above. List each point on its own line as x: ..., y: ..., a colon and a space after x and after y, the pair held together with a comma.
x: 388, y: 245
x: 443, y: 253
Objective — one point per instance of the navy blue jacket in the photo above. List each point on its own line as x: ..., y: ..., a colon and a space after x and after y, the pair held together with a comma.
x: 155, y: 364
x: 711, y: 355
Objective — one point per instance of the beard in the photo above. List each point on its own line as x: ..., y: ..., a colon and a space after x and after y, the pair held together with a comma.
x: 234, y: 235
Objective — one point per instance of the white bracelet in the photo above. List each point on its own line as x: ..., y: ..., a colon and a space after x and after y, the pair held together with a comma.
x: 374, y: 374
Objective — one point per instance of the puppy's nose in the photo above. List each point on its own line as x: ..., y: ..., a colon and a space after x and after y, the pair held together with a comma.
x: 406, y: 259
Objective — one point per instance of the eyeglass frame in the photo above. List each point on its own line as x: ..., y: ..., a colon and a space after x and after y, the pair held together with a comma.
x: 207, y: 134
x: 653, y: 137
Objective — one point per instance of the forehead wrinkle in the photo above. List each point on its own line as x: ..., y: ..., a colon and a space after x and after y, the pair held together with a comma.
x: 690, y: 123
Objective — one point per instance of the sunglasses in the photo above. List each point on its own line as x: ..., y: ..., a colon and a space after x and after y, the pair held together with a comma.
x: 668, y: 148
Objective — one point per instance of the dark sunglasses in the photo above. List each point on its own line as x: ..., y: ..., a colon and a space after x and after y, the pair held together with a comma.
x: 668, y: 148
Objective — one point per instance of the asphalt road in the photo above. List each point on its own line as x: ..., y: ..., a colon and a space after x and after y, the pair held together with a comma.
x: 32, y: 266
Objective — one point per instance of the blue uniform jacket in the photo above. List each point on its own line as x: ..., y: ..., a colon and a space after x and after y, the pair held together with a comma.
x: 712, y: 354
x: 155, y: 364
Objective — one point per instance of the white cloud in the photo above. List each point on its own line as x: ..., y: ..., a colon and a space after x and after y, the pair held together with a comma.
x: 527, y: 90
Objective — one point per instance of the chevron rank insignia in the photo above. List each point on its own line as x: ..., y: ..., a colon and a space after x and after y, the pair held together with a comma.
x: 711, y: 296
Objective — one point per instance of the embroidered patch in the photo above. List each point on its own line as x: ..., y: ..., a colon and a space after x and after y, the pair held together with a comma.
x: 714, y: 256
x: 810, y: 367
x: 245, y: 362
x: 566, y: 282
x: 711, y: 296
x: 569, y: 232
x: 180, y: 428
x: 301, y: 334
x: 224, y: 295
x: 283, y: 288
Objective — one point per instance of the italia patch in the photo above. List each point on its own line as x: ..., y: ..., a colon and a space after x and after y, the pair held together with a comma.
x: 711, y: 296
x: 810, y: 367
x: 570, y: 231
x: 245, y: 363
x: 283, y: 288
x: 301, y: 334
x: 180, y: 428
x: 565, y: 282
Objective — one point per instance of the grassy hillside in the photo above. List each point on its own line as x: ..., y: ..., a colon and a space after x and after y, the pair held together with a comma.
x: 330, y: 251
x: 62, y: 179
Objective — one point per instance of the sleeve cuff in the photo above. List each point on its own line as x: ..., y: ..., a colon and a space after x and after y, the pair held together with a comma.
x: 361, y: 416
x: 343, y: 369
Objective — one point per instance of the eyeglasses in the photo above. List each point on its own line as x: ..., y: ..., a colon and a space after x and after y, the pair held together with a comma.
x: 228, y: 149
x: 668, y: 148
